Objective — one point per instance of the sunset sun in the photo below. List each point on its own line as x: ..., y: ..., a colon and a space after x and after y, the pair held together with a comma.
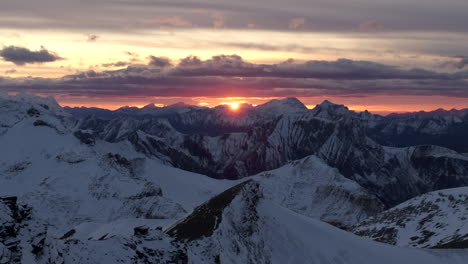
x: 234, y: 106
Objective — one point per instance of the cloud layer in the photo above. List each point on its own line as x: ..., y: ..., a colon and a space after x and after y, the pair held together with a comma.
x: 230, y: 75
x: 122, y: 15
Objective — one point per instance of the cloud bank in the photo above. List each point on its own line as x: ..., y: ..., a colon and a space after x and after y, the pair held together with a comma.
x: 230, y: 75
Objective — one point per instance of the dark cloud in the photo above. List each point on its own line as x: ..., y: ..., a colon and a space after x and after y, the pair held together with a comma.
x: 159, y: 62
x: 271, y: 47
x: 230, y: 75
x: 115, y: 64
x: 288, y: 61
x: 129, y: 53
x: 11, y: 71
x: 22, y: 56
x: 190, y: 61
x: 91, y: 37
x: 456, y: 62
x: 462, y: 63
x: 345, y: 69
x: 233, y: 62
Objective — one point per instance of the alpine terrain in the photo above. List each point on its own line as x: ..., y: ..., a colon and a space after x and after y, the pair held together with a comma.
x: 273, y: 183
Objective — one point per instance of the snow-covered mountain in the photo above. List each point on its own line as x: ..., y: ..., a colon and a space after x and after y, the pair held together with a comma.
x: 132, y: 188
x: 440, y: 127
x: 53, y: 169
x: 237, y: 226
x: 14, y: 109
x: 436, y: 219
x: 59, y: 183
x: 437, y: 112
x: 443, y: 128
x: 268, y: 136
x: 245, y: 227
x: 312, y: 188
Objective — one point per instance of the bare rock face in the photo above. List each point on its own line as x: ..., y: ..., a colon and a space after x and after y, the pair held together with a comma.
x: 14, y: 222
x: 205, y: 218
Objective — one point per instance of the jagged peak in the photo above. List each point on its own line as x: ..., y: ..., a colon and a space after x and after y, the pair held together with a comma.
x: 330, y: 110
x: 441, y: 112
x: 327, y: 104
x: 127, y: 107
x: 291, y: 101
x: 179, y: 105
x: 150, y: 106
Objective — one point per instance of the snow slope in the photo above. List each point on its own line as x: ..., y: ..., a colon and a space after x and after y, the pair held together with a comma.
x: 251, y: 229
x: 310, y: 187
x: 96, y: 190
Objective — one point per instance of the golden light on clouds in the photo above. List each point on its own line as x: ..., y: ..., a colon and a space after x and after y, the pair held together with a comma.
x: 80, y: 54
x: 111, y: 50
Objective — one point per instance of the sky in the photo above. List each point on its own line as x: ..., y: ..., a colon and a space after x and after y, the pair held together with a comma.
x: 377, y: 55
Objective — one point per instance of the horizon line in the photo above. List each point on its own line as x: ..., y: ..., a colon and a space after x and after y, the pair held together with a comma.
x: 308, y: 106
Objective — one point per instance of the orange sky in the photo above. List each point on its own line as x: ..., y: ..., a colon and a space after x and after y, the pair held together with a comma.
x: 376, y: 104
x: 408, y: 51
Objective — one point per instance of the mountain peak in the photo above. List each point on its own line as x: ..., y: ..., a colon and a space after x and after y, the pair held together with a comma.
x: 286, y: 105
x: 127, y: 108
x: 328, y: 103
x: 292, y: 101
x: 179, y: 105
x: 330, y: 110
x: 150, y: 106
x: 22, y: 99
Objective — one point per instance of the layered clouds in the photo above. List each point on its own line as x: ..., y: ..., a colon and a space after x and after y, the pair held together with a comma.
x: 365, y: 48
x: 322, y: 15
x: 230, y: 75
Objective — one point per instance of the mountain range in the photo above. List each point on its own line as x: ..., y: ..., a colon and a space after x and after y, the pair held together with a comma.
x: 273, y: 183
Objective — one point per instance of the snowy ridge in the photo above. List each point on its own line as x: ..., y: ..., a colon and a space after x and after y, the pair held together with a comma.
x: 44, y: 111
x: 312, y: 188
x: 435, y: 219
x: 255, y: 230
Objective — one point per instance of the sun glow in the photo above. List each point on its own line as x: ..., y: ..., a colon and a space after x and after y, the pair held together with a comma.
x: 233, y: 106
